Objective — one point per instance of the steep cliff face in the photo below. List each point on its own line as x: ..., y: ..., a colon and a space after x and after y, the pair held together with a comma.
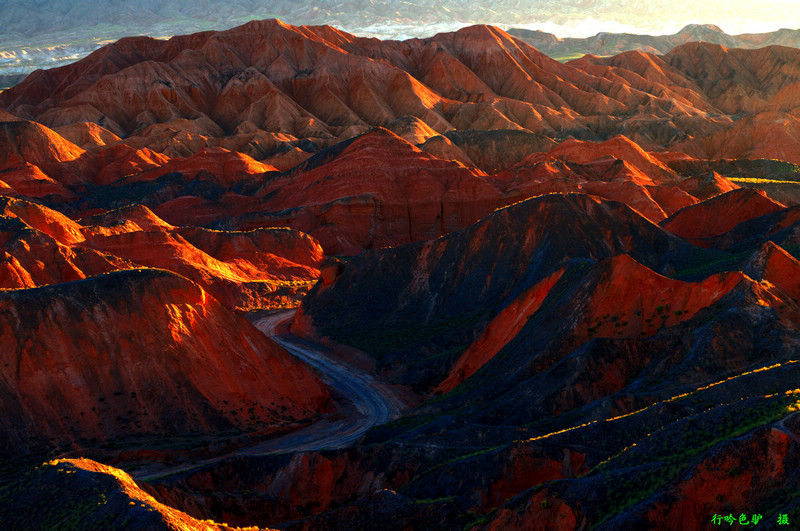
x: 598, y: 336
x: 499, y: 332
x: 624, y: 299
x: 773, y: 264
x: 77, y: 364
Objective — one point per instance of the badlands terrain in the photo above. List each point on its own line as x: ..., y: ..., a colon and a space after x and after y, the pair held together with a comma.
x: 284, y: 277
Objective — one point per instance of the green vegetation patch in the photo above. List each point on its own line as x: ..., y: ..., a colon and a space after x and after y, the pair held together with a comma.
x: 699, y: 270
x: 402, y: 337
x: 34, y: 499
x: 748, y: 180
x: 667, y: 452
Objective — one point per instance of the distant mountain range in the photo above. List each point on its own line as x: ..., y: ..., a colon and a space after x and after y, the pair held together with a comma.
x: 48, y: 33
x: 28, y: 18
x: 614, y: 43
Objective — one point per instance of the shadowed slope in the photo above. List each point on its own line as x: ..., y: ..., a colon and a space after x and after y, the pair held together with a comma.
x: 445, y: 291
x: 89, y: 495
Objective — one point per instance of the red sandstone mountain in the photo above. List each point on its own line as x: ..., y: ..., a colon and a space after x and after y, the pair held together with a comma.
x: 621, y: 148
x: 291, y: 91
x: 39, y: 154
x: 376, y: 191
x: 602, y: 372
x: 754, y: 79
x: 720, y: 214
x: 261, y: 87
x: 593, y: 368
x: 616, y: 169
x: 452, y: 285
x: 225, y: 168
x: 707, y: 187
x: 241, y: 269
x: 629, y: 291
x: 773, y: 264
x: 237, y: 192
x: 33, y: 152
x: 92, y: 374
x: 444, y: 196
x: 87, y: 135
x: 766, y: 135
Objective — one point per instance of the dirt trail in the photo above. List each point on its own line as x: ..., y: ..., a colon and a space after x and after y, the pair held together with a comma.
x: 366, y: 403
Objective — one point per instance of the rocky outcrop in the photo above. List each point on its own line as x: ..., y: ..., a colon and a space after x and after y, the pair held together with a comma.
x: 620, y: 148
x: 225, y: 168
x: 773, y: 264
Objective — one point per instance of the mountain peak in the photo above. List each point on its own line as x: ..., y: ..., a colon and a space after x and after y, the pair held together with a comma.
x: 700, y: 28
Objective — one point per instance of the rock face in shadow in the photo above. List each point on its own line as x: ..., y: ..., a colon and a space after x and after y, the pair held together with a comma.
x: 89, y: 494
x: 445, y: 291
x: 622, y: 372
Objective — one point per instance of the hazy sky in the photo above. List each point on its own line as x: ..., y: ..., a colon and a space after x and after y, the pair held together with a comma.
x: 578, y: 18
x: 667, y: 16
